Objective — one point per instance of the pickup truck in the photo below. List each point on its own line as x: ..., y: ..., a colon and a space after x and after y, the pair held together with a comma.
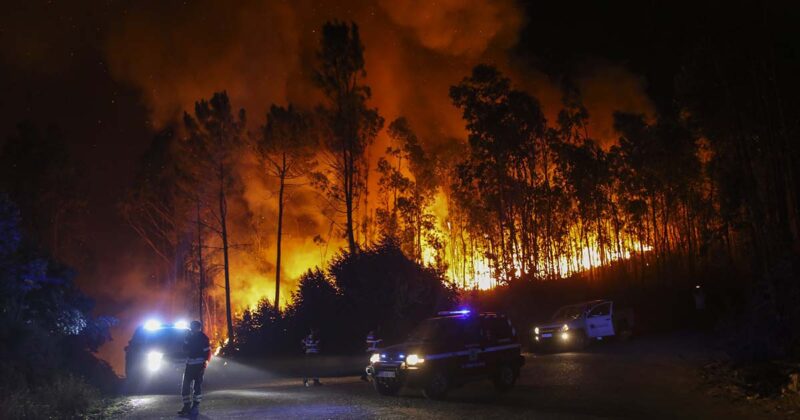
x: 574, y: 326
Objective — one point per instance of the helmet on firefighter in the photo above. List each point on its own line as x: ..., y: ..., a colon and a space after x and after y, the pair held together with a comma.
x: 196, y: 326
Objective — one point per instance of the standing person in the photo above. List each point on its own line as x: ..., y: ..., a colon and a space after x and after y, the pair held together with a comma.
x: 701, y: 315
x: 198, y: 353
x: 372, y: 345
x: 311, y: 348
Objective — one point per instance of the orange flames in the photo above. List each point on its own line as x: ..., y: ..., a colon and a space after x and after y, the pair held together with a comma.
x: 260, y: 52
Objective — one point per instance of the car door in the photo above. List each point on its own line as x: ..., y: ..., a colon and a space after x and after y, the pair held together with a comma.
x: 498, y: 339
x: 473, y: 361
x: 598, y: 320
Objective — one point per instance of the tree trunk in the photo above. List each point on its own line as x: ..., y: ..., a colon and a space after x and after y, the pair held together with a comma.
x: 223, y: 209
x: 280, y: 232
x: 348, y: 201
x: 201, y: 283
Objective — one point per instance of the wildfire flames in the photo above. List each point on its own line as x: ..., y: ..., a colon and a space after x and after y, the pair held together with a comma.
x: 260, y: 53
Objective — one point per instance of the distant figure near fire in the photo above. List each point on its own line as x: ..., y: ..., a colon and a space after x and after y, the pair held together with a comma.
x: 311, y: 349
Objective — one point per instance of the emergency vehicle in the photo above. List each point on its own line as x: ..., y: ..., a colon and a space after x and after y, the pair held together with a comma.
x: 447, y: 351
x: 154, y: 352
x: 574, y: 326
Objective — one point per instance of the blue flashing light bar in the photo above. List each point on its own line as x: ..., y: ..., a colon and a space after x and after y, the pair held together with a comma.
x: 458, y: 312
x: 152, y: 324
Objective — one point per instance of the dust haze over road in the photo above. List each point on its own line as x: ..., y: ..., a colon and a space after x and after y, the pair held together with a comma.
x: 653, y: 377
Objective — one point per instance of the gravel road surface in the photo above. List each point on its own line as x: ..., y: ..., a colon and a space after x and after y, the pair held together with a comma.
x: 651, y: 377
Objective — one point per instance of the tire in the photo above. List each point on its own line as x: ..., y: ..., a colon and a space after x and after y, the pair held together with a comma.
x: 581, y: 340
x: 385, y: 387
x: 437, y: 386
x: 505, y: 378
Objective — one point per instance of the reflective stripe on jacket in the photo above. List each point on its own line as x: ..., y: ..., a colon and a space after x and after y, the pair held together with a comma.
x: 311, y: 345
x: 372, y: 342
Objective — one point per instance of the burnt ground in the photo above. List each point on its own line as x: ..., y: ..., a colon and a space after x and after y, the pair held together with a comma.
x: 647, y: 377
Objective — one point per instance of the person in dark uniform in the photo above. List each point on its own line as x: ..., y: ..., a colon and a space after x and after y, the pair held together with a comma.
x: 198, y: 353
x: 311, y: 349
x: 372, y: 341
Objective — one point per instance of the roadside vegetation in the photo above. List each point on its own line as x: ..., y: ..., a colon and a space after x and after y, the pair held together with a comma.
x: 47, y: 366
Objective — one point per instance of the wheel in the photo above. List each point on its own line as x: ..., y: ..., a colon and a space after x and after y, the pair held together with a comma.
x: 437, y: 386
x: 505, y: 378
x: 581, y: 340
x: 386, y: 387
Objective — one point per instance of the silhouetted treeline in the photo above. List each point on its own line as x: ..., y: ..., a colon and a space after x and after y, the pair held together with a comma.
x: 378, y: 289
x: 738, y: 90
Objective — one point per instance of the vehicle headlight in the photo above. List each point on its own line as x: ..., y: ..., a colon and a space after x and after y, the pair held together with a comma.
x: 154, y: 360
x: 565, y: 327
x: 565, y: 336
x: 413, y: 360
x: 375, y: 358
x: 536, y: 330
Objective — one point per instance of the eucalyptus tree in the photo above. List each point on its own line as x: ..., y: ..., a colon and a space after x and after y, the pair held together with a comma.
x: 215, y: 135
x: 505, y: 127
x: 351, y: 124
x: 286, y: 151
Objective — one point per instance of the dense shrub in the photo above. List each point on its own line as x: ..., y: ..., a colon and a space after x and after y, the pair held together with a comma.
x: 66, y: 396
x: 261, y: 331
x: 316, y: 304
x: 381, y: 289
x: 378, y: 288
x: 47, y: 331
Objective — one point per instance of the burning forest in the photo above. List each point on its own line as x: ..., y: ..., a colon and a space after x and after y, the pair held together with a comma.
x: 258, y: 165
x: 482, y: 175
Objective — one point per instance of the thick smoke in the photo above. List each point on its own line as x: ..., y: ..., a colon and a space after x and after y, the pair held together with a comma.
x: 457, y: 27
x: 606, y: 88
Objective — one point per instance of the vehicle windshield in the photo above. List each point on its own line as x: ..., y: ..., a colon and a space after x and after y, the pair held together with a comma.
x: 431, y: 329
x: 569, y: 312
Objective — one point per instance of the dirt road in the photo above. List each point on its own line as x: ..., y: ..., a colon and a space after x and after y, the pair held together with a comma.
x: 645, y: 378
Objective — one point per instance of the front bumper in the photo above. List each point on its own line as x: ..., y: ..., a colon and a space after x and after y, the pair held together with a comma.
x: 169, y: 368
x: 399, y: 372
x: 554, y: 337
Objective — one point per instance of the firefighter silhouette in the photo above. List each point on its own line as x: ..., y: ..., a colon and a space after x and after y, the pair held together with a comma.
x: 373, y: 342
x: 198, y: 352
x: 311, y: 349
